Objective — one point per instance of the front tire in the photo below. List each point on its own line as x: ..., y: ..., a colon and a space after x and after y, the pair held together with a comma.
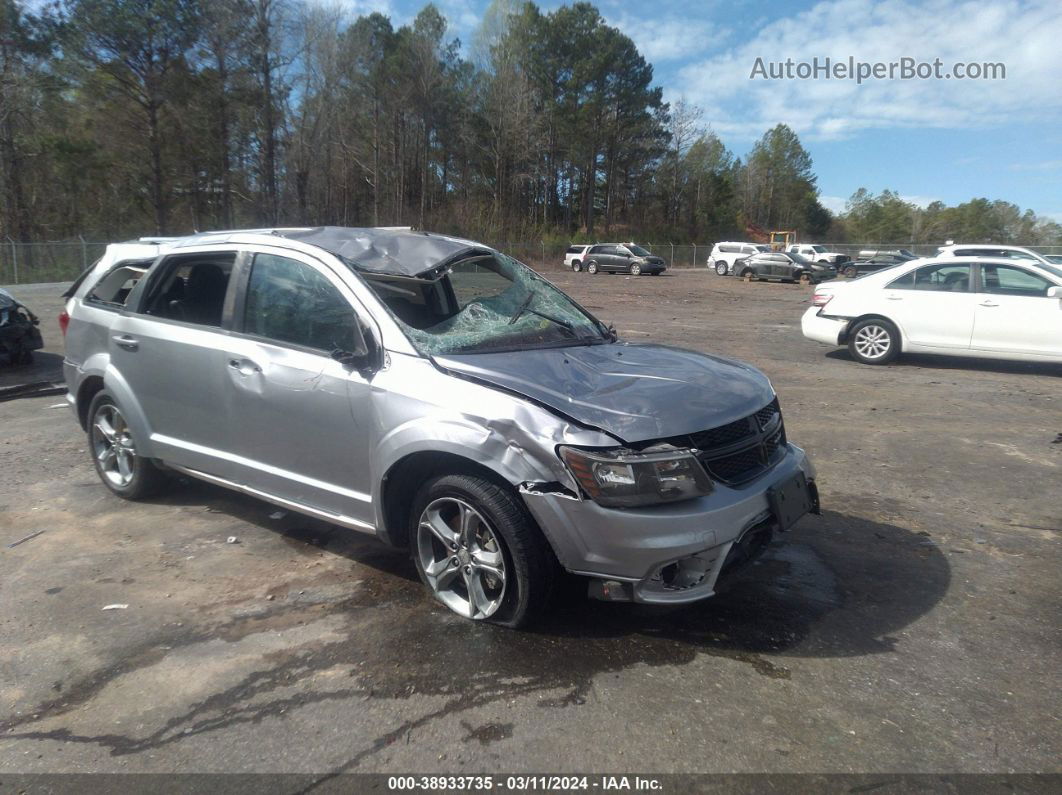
x: 479, y: 552
x: 636, y: 270
x: 721, y: 268
x: 851, y: 271
x: 577, y: 266
x: 114, y: 452
x: 874, y: 341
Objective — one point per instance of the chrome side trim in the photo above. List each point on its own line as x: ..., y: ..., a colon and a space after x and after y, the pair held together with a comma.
x: 317, y: 513
x: 247, y: 462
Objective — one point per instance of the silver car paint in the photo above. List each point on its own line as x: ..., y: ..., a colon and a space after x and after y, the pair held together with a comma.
x: 297, y: 429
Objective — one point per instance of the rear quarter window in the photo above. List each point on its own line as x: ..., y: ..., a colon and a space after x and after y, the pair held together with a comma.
x: 114, y: 287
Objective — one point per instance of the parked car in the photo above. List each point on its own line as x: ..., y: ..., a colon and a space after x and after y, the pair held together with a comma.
x: 441, y: 396
x: 19, y: 335
x: 723, y: 255
x: 962, y: 306
x: 816, y: 252
x: 784, y: 267
x: 622, y: 258
x: 871, y: 263
x: 573, y: 257
x: 989, y: 250
x: 901, y: 253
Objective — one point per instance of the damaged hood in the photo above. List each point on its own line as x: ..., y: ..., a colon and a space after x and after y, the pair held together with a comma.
x: 634, y: 392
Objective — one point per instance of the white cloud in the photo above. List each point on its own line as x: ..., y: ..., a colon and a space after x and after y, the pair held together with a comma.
x: 662, y: 39
x: 362, y: 8
x: 1022, y: 35
x: 835, y: 204
x: 461, y: 17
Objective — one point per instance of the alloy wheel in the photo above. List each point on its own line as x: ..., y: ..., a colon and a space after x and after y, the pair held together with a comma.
x: 462, y: 558
x: 112, y: 446
x: 873, y: 341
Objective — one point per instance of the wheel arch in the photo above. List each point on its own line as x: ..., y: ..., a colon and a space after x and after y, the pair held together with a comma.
x: 86, y: 391
x: 843, y: 338
x: 404, y: 478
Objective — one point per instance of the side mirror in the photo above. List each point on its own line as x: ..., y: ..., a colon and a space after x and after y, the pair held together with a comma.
x: 1054, y: 292
x: 351, y: 360
x: 363, y: 356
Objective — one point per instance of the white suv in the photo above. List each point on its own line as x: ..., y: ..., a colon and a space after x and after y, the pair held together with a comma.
x: 573, y: 257
x: 724, y: 255
x: 816, y: 252
x: 989, y: 250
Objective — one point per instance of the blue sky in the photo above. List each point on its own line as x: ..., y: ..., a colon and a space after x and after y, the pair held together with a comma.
x: 951, y: 140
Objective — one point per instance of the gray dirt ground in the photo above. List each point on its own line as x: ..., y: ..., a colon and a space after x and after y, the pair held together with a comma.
x: 913, y: 627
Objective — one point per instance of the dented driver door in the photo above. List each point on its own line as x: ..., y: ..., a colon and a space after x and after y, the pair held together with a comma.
x: 299, y: 419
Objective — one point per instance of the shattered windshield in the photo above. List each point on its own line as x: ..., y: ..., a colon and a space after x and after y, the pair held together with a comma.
x: 485, y: 303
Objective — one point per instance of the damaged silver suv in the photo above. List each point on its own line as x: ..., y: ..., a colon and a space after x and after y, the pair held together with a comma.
x: 439, y: 395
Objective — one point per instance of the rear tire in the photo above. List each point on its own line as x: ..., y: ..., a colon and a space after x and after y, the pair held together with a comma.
x: 721, y: 268
x: 874, y: 341
x: 505, y: 570
x: 114, y: 452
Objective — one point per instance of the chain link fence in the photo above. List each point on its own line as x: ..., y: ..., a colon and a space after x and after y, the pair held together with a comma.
x: 63, y: 260
x: 52, y: 261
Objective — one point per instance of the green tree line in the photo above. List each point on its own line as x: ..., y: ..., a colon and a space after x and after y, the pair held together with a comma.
x: 126, y: 117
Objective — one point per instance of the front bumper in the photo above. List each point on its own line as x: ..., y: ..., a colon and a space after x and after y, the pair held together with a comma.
x: 634, y: 551
x: 821, y: 328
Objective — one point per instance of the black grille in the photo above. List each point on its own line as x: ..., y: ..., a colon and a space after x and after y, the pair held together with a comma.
x: 740, y: 451
x: 766, y: 415
x: 723, y: 435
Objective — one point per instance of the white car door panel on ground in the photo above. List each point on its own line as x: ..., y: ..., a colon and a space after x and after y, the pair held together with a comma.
x: 933, y: 306
x: 1013, y: 312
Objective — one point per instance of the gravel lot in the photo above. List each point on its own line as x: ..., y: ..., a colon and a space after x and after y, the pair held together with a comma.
x: 913, y: 627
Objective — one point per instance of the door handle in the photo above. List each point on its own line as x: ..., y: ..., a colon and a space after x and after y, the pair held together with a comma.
x: 988, y: 303
x: 894, y: 297
x: 244, y: 366
x: 126, y: 342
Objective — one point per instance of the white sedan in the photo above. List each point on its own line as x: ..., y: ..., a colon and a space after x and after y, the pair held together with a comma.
x: 961, y: 306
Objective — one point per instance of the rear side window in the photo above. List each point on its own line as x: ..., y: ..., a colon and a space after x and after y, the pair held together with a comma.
x: 935, y: 278
x: 114, y: 287
x: 191, y: 288
x: 730, y: 249
x: 288, y: 301
x: 1009, y: 280
x: 576, y: 249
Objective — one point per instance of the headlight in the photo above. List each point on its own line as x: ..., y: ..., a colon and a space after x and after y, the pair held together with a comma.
x: 617, y: 478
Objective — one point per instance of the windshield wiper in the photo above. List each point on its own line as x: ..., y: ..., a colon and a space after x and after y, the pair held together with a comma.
x: 526, y: 307
x: 522, y: 308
